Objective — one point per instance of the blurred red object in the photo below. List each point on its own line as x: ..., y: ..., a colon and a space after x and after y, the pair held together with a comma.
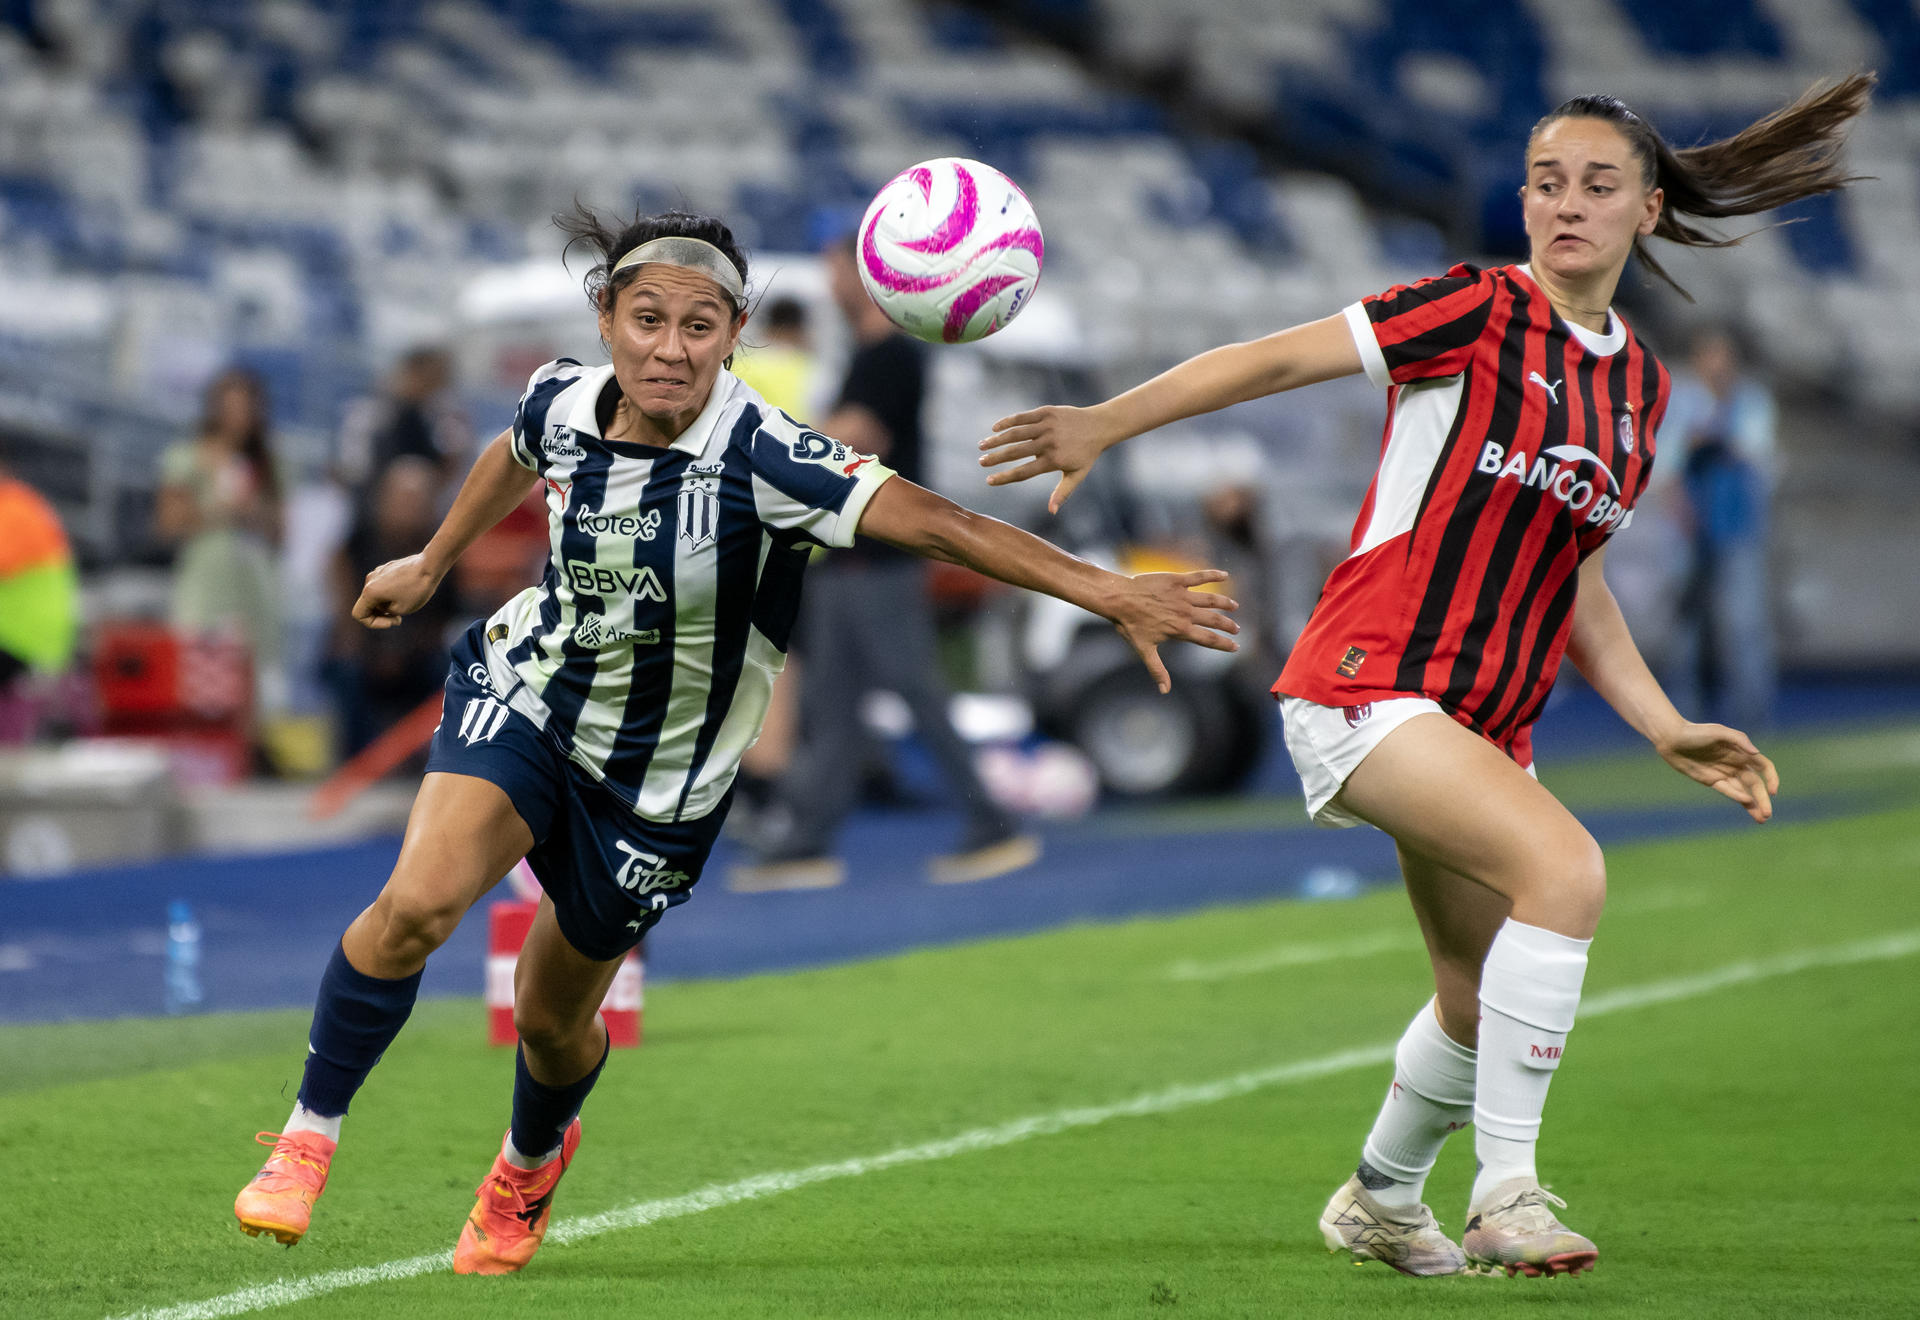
x: 193, y: 695
x: 136, y: 667
x: 508, y: 921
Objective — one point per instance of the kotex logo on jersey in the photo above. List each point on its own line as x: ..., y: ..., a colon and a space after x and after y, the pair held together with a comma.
x: 639, y: 526
x: 639, y: 582
x: 1562, y: 472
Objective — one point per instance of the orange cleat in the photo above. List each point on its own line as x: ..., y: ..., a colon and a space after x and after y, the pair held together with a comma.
x: 280, y: 1198
x: 511, y: 1212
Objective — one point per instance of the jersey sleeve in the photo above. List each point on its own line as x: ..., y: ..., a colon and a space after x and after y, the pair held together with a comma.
x: 1422, y: 331
x: 530, y: 417
x: 810, y: 485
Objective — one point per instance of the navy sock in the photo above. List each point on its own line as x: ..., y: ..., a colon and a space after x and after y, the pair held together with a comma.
x: 355, y: 1018
x: 541, y: 1112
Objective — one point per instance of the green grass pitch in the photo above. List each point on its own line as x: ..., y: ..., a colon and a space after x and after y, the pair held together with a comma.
x: 1741, y: 1147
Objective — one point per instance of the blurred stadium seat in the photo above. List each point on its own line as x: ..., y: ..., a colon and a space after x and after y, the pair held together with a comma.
x: 304, y: 188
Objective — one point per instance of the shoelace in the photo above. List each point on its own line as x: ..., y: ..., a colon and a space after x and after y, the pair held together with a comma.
x: 1529, y: 1210
x: 511, y: 1190
x: 291, y: 1156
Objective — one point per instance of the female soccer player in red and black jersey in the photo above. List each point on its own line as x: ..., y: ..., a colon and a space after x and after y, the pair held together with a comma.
x: 1521, y: 422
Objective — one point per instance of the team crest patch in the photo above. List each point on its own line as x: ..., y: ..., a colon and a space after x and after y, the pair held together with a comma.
x: 699, y: 509
x: 1626, y: 432
x: 1349, y: 666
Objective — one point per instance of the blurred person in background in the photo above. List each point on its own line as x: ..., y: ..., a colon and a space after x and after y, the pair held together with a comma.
x: 1721, y: 467
x: 867, y: 625
x: 1521, y: 422
x: 39, y: 603
x: 782, y: 371
x: 378, y: 677
x: 413, y: 416
x: 594, y: 724
x: 220, y: 508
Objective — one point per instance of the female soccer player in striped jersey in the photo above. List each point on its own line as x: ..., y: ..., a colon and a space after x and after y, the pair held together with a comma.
x: 1521, y: 417
x: 595, y: 723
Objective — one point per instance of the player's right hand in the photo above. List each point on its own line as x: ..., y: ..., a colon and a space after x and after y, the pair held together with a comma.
x: 398, y: 587
x: 1054, y: 439
x: 1165, y: 607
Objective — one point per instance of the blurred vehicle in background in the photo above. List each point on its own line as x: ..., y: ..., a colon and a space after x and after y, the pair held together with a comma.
x: 1206, y: 736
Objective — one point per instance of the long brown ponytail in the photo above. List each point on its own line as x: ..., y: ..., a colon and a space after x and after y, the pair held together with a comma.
x: 1790, y: 154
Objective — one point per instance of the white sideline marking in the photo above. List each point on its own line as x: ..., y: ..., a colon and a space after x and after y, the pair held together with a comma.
x: 285, y: 1292
x: 1291, y: 955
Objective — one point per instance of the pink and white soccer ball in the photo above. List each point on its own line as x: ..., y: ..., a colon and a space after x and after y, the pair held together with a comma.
x: 950, y: 250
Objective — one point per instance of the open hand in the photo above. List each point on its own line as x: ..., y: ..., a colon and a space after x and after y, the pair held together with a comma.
x: 1054, y: 439
x: 1726, y: 761
x: 1164, y: 607
x: 397, y: 587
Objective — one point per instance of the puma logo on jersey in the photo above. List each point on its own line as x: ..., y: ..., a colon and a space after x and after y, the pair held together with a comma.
x: 1553, y: 390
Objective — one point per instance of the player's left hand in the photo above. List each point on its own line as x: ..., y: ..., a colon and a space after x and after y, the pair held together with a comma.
x: 1726, y: 761
x: 1164, y: 607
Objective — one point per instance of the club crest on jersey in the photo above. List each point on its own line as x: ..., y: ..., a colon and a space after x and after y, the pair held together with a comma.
x: 699, y: 509
x: 481, y: 719
x: 558, y: 444
x: 1626, y: 432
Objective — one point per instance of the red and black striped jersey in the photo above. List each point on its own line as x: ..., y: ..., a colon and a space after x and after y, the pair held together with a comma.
x: 1515, y: 445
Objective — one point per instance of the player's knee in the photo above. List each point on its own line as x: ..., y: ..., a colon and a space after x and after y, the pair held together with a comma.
x: 1587, y: 880
x: 1576, y: 877
x: 541, y: 1028
x: 416, y: 924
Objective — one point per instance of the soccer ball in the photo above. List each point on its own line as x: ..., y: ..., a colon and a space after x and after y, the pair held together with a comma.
x: 950, y: 250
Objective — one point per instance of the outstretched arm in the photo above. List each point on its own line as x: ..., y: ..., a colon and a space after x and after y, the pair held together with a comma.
x: 492, y: 490
x: 1068, y: 440
x: 1147, y: 610
x: 1602, y: 649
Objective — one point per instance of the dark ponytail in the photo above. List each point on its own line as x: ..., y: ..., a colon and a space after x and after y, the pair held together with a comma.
x: 1792, y: 153
x: 609, y: 241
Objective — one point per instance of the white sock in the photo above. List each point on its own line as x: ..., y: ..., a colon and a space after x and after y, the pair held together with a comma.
x: 1430, y: 1099
x: 305, y: 1120
x: 1529, y: 992
x: 522, y: 1161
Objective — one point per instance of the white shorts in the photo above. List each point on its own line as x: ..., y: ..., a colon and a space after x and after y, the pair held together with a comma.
x: 1328, y: 743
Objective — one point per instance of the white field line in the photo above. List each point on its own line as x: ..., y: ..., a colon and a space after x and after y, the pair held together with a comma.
x: 1291, y: 955
x: 285, y: 1292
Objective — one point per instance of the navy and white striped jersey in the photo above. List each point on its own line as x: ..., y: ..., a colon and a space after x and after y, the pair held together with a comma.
x: 649, y: 651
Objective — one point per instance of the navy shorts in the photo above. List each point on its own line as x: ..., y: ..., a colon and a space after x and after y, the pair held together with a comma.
x: 610, y: 872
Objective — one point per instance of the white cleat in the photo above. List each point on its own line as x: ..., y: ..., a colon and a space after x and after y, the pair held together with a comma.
x: 1514, y: 1230
x: 1408, y: 1240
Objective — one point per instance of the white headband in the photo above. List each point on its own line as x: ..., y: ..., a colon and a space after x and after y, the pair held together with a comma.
x: 693, y: 254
